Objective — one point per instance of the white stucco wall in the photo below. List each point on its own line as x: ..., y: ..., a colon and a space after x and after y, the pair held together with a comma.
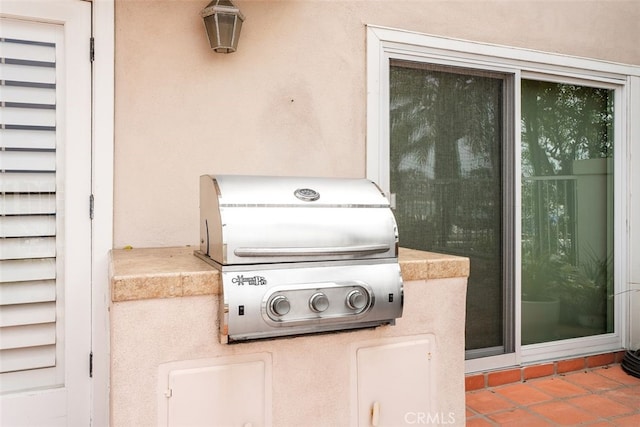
x: 292, y: 100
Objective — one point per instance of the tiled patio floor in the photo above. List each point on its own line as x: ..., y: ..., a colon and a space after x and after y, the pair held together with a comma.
x: 597, y: 397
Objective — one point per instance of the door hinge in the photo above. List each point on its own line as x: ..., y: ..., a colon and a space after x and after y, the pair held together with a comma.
x: 92, y: 49
x: 91, y: 206
x: 91, y: 364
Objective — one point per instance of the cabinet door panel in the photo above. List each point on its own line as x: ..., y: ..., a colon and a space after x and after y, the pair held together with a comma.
x: 394, y: 383
x: 216, y: 393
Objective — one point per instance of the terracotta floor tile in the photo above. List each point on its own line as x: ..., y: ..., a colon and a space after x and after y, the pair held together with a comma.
x: 558, y: 387
x: 617, y: 374
x: 478, y: 422
x: 592, y: 381
x: 629, y: 396
x: 518, y: 418
x: 563, y: 413
x: 600, y: 405
x: 523, y: 394
x: 631, y: 421
x: 487, y: 402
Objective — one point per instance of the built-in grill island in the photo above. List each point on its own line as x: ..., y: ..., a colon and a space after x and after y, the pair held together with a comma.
x: 299, y: 255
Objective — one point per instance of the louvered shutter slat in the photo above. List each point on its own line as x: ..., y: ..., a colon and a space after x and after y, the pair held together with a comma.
x: 28, y: 95
x: 19, y: 226
x: 27, y: 336
x: 28, y: 161
x: 27, y: 204
x: 29, y: 52
x: 27, y: 358
x: 23, y: 270
x: 25, y: 138
x: 25, y: 182
x: 40, y: 116
x: 27, y: 247
x: 13, y: 72
x: 27, y: 314
x: 28, y: 292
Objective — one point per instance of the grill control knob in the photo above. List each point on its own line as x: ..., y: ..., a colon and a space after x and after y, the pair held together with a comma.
x: 318, y: 302
x: 280, y: 305
x: 356, y: 299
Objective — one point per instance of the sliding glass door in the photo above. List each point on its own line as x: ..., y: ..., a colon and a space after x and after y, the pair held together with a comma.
x: 452, y: 169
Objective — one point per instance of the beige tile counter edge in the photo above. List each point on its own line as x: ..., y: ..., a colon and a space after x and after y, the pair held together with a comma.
x: 149, y: 273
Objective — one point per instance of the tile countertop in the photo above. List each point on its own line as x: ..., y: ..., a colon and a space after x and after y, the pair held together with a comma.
x: 148, y: 273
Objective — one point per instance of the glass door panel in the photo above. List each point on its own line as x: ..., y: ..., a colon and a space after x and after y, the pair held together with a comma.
x: 567, y: 211
x: 447, y: 174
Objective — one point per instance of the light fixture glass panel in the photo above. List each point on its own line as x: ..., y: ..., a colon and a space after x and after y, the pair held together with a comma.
x: 226, y: 25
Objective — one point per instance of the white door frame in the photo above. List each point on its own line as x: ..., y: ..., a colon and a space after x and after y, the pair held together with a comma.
x: 102, y: 187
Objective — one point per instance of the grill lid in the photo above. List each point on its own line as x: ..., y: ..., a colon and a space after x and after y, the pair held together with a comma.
x: 257, y: 219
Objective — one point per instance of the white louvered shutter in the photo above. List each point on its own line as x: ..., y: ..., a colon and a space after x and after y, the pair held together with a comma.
x: 29, y: 208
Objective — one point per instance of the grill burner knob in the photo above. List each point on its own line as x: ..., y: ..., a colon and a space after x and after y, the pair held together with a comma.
x: 280, y: 305
x: 319, y: 302
x: 356, y: 300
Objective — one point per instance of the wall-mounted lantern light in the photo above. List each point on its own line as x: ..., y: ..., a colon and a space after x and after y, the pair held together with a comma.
x: 223, y: 21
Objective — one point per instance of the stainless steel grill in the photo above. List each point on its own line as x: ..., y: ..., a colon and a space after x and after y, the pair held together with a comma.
x: 299, y: 255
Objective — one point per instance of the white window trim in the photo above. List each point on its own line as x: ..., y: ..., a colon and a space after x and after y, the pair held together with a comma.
x: 386, y: 43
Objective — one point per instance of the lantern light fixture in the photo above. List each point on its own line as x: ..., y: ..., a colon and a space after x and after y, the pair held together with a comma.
x: 223, y: 22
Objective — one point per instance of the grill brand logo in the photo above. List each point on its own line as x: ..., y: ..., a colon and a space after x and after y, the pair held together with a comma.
x: 251, y: 281
x: 306, y: 194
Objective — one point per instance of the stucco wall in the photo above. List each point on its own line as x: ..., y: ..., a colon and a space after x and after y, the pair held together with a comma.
x: 148, y: 333
x: 292, y: 100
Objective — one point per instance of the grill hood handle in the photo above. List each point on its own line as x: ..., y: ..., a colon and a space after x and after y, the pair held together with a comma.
x: 311, y: 251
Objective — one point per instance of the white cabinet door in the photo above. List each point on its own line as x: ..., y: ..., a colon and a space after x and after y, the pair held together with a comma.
x: 216, y: 392
x: 45, y: 229
x: 394, y: 383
